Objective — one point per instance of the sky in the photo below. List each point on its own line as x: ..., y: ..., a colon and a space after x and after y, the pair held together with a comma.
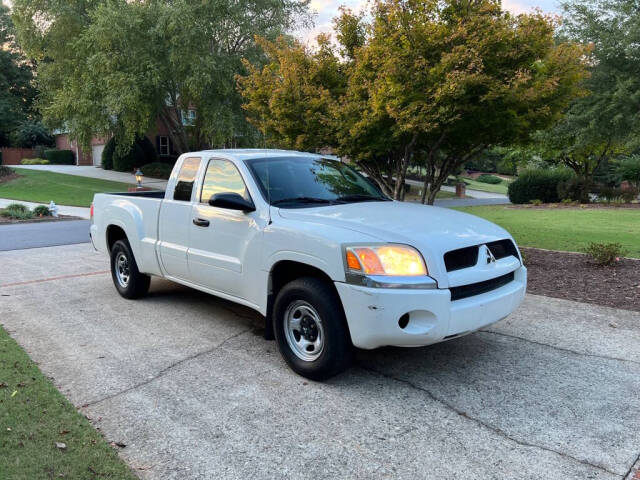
x: 327, y: 9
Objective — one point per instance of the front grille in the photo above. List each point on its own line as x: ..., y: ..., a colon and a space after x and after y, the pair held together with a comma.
x: 466, y: 291
x: 461, y: 258
x: 503, y: 249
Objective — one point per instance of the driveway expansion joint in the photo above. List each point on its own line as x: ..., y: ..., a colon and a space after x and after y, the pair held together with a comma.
x: 165, y: 370
x: 634, y: 470
x: 554, y: 347
x: 486, y: 425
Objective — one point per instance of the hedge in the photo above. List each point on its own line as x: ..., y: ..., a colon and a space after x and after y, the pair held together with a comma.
x: 540, y: 184
x: 60, y: 157
x: 128, y: 161
x: 140, y: 153
x: 491, y: 179
x: 157, y: 170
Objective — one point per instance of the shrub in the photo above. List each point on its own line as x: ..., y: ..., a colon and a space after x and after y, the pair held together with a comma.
x: 127, y: 161
x: 157, y: 170
x: 41, y: 211
x: 629, y: 170
x: 39, y: 150
x: 107, y: 154
x: 491, y: 179
x: 17, y: 211
x: 60, y: 157
x: 536, y: 202
x: 575, y: 189
x: 5, y: 171
x: 150, y: 154
x: 540, y: 184
x: 604, y: 254
x: 629, y: 195
x: 34, y: 161
x: 610, y: 194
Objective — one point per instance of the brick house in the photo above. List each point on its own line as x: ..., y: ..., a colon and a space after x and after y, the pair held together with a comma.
x: 159, y: 136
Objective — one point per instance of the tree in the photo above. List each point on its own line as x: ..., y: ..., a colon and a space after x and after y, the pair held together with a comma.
x: 115, y: 66
x: 17, y: 91
x: 629, y: 170
x: 606, y: 122
x: 431, y: 83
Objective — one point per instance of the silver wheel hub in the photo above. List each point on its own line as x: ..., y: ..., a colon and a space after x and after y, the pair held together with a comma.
x: 304, y: 331
x: 122, y: 271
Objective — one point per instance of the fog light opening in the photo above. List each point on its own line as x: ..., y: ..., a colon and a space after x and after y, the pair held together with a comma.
x: 403, y: 321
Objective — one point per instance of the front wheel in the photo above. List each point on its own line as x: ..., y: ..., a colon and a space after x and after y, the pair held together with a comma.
x: 311, y: 330
x: 128, y: 280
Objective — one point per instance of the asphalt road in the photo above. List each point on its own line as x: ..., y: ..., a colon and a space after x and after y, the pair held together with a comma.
x: 187, y: 382
x: 19, y: 236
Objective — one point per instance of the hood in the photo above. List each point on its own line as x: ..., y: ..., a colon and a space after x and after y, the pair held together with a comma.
x: 432, y: 230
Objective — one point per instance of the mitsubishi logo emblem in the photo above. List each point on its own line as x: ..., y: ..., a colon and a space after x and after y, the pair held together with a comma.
x: 490, y: 257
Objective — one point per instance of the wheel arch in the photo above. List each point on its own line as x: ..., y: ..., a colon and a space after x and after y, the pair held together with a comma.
x: 284, y: 271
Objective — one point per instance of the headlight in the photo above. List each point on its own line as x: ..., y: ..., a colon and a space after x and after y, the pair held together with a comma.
x: 391, y: 260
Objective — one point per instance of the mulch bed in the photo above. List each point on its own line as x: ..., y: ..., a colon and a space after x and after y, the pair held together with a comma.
x: 573, y: 276
x: 6, y: 221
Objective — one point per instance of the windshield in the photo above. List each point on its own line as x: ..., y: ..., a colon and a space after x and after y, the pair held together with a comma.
x: 308, y: 181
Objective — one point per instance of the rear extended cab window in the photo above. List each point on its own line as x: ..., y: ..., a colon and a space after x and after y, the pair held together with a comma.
x: 186, y: 179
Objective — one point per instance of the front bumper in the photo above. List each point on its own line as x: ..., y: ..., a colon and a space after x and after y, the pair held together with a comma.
x: 373, y: 313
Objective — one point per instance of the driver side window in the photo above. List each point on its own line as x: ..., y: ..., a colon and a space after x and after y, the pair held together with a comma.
x: 222, y: 176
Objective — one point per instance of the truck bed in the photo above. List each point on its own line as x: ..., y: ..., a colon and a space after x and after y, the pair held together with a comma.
x: 145, y: 194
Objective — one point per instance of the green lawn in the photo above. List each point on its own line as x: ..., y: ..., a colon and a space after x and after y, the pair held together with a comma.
x: 487, y: 187
x: 34, y: 416
x: 568, y: 229
x: 42, y: 187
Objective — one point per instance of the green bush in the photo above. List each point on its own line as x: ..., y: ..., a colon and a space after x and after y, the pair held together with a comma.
x: 17, y: 211
x: 107, y: 154
x: 629, y: 170
x: 60, y: 157
x: 536, y: 202
x: 574, y: 189
x: 539, y: 184
x: 128, y: 161
x: 157, y: 170
x: 41, y: 211
x: 34, y: 161
x: 150, y: 154
x: 610, y: 194
x: 491, y: 179
x: 604, y: 254
x: 5, y: 171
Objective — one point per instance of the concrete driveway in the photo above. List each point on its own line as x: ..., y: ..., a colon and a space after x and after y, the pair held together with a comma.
x: 189, y: 385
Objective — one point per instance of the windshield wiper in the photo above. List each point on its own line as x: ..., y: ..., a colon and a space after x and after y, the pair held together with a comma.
x: 361, y: 198
x: 302, y: 200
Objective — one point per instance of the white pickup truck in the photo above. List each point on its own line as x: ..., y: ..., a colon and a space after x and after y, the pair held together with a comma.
x: 317, y: 249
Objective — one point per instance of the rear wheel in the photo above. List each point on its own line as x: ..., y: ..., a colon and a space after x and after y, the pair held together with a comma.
x: 311, y: 329
x: 128, y: 280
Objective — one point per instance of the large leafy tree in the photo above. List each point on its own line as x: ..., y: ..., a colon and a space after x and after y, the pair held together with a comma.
x: 115, y: 66
x: 17, y: 91
x: 435, y: 83
x: 606, y: 122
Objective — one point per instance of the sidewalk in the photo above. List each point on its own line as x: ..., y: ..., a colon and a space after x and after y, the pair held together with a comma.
x: 62, y: 209
x: 97, y: 172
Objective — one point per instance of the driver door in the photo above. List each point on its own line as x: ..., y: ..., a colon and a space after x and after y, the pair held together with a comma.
x: 219, y: 237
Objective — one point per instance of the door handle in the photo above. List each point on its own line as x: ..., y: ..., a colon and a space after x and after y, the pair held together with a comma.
x: 200, y: 222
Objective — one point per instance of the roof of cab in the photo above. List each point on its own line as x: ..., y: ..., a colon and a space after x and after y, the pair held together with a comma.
x: 252, y: 153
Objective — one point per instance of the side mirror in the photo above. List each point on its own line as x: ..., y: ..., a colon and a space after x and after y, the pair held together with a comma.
x: 232, y: 201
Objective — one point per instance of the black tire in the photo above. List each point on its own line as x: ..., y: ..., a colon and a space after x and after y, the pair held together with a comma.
x: 336, y: 353
x: 137, y: 284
